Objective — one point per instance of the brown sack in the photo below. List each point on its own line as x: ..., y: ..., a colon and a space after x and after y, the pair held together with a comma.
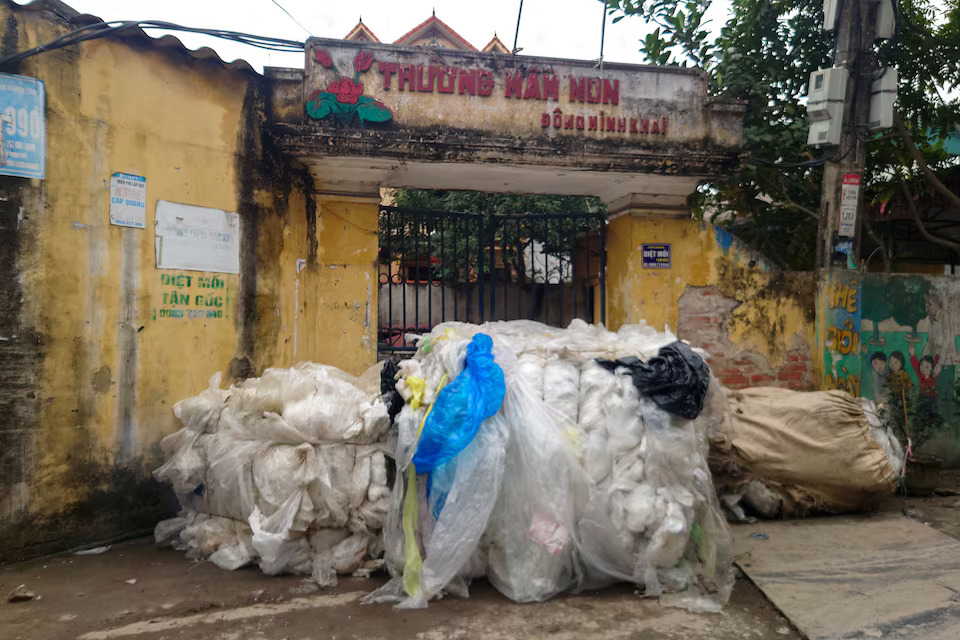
x: 813, y: 449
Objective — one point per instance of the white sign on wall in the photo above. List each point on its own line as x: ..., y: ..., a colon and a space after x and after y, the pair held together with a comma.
x: 128, y: 200
x: 197, y: 238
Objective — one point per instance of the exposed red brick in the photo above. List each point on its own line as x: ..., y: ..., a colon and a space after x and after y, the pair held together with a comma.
x: 762, y: 379
x: 794, y: 376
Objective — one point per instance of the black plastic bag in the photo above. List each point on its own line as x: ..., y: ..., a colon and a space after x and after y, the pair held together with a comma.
x: 676, y: 379
x: 388, y: 388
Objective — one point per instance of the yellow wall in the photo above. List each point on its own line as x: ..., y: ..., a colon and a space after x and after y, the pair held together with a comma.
x: 110, y: 367
x: 773, y: 314
x: 328, y: 309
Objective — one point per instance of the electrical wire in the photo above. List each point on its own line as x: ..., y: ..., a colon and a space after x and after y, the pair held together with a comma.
x: 103, y: 29
x: 812, y: 162
x: 603, y: 31
x: 516, y: 34
x: 290, y: 15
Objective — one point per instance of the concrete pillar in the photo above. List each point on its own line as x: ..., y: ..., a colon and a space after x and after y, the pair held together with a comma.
x: 339, y: 297
x: 649, y: 293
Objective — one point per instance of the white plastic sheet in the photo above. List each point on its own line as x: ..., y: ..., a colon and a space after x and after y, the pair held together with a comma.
x: 287, y: 470
x: 597, y: 483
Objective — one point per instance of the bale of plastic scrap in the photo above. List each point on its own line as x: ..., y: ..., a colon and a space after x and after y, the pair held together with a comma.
x: 287, y: 470
x: 579, y: 479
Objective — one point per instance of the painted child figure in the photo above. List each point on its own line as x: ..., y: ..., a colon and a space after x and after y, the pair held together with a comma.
x: 879, y: 374
x: 899, y: 383
x: 927, y: 371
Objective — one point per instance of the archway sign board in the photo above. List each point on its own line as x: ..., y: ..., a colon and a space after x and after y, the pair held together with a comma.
x: 395, y: 115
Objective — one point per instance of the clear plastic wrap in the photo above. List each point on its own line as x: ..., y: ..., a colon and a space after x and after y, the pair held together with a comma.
x: 275, y: 460
x: 598, y: 484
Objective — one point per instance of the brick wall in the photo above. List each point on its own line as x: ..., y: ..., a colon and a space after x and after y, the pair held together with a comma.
x: 704, y: 313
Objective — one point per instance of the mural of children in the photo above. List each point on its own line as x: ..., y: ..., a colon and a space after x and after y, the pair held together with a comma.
x: 942, y: 348
x: 899, y: 383
x: 927, y: 369
x: 878, y: 372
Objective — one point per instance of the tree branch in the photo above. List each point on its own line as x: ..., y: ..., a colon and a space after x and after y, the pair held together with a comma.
x: 799, y: 207
x: 916, y: 218
x: 884, y: 254
x: 920, y: 160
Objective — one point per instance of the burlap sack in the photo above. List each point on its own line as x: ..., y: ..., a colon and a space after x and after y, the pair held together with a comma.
x: 813, y: 449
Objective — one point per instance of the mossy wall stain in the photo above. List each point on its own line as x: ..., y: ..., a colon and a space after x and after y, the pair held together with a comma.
x: 775, y: 309
x: 93, y: 369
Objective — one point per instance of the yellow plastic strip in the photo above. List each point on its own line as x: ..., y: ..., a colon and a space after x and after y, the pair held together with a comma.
x: 413, y: 562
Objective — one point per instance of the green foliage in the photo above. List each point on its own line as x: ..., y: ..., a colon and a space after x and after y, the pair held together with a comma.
x: 764, y: 54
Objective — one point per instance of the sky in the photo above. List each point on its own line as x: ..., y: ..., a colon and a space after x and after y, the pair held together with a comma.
x: 554, y: 28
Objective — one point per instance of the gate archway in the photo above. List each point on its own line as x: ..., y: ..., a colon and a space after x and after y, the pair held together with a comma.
x: 364, y: 116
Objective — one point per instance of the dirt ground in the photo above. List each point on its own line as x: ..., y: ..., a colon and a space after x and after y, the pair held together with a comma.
x: 135, y: 590
x: 94, y: 598
x: 942, y: 510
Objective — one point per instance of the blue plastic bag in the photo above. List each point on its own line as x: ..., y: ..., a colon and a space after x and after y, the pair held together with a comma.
x: 460, y: 408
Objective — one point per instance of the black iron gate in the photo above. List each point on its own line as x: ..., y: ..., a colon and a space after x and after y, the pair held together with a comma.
x: 441, y: 266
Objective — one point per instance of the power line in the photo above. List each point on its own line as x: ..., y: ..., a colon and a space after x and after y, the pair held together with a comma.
x: 289, y: 15
x: 516, y: 33
x: 103, y: 29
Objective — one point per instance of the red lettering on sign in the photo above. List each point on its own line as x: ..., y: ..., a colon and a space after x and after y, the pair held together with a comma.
x: 644, y: 125
x: 545, y: 120
x: 663, y: 128
x: 486, y: 84
x: 622, y: 125
x: 405, y: 76
x: 557, y: 118
x: 446, y: 78
x: 513, y: 86
x: 533, y: 87
x: 601, y: 121
x: 568, y: 122
x: 611, y: 123
x: 633, y: 125
x: 387, y: 69
x: 655, y: 128
x: 611, y: 92
x: 579, y: 122
x: 421, y: 86
x: 577, y: 90
x: 593, y: 90
x: 468, y: 82
x: 592, y: 123
x: 551, y: 87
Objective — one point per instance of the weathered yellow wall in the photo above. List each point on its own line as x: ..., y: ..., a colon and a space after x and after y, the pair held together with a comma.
x: 328, y: 300
x: 770, y: 313
x: 110, y: 367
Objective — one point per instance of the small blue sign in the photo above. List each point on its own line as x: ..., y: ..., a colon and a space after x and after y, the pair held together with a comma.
x: 656, y: 256
x: 23, y: 130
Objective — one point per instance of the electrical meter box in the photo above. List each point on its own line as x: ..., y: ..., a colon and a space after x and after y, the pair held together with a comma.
x: 886, y: 20
x: 825, y: 98
x: 831, y: 11
x: 883, y: 93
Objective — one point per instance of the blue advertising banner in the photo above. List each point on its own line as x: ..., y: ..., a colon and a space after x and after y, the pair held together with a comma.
x: 23, y: 129
x: 656, y: 256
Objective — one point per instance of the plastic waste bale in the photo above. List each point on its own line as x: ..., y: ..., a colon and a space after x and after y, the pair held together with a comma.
x: 267, y: 469
x: 597, y: 483
x: 461, y: 443
x: 530, y: 544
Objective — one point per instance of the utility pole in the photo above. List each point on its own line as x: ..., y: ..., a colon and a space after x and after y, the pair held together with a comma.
x: 855, y: 30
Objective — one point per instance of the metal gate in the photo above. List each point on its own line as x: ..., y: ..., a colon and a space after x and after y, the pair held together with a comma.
x: 469, y: 267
